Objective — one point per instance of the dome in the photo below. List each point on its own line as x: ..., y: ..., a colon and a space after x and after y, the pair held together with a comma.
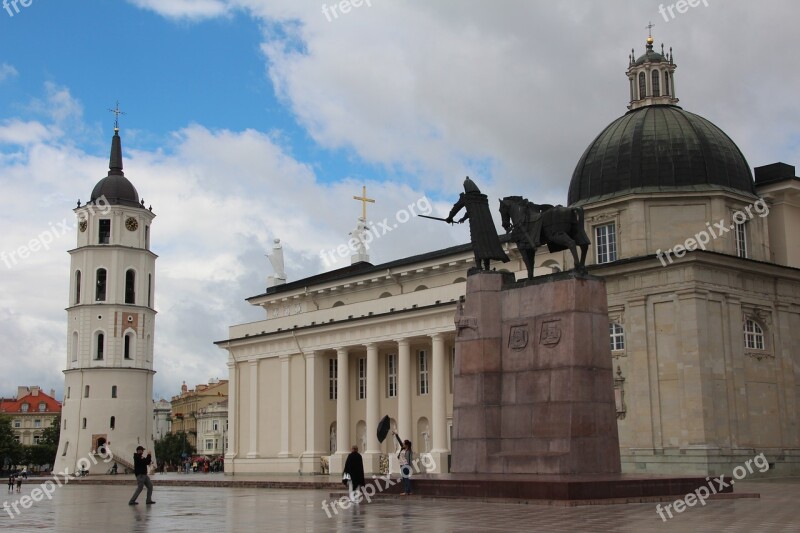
x: 659, y: 148
x: 115, y: 187
x: 118, y: 190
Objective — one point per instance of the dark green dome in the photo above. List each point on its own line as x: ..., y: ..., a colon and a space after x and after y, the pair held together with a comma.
x: 115, y: 188
x: 659, y: 148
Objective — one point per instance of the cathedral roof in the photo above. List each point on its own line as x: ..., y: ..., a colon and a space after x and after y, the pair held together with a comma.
x: 115, y: 187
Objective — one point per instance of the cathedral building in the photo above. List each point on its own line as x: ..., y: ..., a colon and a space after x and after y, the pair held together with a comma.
x: 108, y: 386
x: 703, y: 280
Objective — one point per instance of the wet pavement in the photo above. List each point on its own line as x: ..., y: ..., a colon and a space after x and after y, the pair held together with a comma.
x: 87, y: 507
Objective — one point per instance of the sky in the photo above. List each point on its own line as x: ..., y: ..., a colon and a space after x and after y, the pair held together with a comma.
x: 250, y: 120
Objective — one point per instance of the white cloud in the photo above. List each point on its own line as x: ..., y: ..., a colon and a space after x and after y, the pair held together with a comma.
x: 7, y: 72
x: 185, y: 9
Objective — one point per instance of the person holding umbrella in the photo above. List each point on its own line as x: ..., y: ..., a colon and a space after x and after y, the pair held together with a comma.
x: 354, y: 474
x: 404, y: 455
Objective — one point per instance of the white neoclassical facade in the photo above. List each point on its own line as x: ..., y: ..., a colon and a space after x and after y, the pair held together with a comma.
x: 702, y: 269
x: 108, y: 385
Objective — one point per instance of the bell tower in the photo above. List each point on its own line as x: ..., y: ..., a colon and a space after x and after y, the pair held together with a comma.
x: 108, y: 386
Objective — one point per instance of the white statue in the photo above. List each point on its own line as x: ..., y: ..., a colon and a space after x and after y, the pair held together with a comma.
x: 359, y: 234
x: 276, y: 259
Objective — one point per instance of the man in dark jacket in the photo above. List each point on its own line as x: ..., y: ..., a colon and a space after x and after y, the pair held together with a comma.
x: 140, y: 465
x: 485, y: 242
x: 354, y: 467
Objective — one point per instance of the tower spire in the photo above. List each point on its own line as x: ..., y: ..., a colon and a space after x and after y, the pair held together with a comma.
x: 115, y: 161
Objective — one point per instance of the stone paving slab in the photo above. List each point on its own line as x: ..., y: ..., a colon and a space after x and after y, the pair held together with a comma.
x: 88, y: 507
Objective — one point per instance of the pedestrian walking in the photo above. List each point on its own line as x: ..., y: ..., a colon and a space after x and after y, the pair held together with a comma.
x: 140, y: 464
x: 19, y: 483
x: 11, y: 483
x: 354, y: 470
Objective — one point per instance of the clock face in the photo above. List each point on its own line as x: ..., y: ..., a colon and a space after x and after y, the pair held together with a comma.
x: 82, y: 225
x: 131, y: 224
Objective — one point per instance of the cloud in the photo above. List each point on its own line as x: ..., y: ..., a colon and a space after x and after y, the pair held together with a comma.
x: 7, y: 72
x: 185, y: 9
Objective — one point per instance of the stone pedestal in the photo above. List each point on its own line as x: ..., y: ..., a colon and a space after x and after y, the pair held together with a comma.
x: 533, y: 389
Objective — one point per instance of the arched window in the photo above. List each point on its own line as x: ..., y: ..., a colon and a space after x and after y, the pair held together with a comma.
x: 385, y: 295
x: 77, y: 286
x: 656, y: 83
x: 149, y: 290
x: 130, y: 287
x: 617, y: 335
x: 338, y: 304
x: 666, y: 84
x: 127, y: 348
x: 642, y: 85
x: 100, y: 293
x: 421, y: 288
x: 42, y: 407
x: 113, y: 391
x: 86, y: 391
x: 83, y: 423
x: 753, y: 335
x: 112, y: 422
x: 100, y: 342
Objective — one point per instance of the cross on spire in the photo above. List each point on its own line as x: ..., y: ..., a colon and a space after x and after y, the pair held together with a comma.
x: 363, y: 199
x: 117, y: 113
x: 650, y: 27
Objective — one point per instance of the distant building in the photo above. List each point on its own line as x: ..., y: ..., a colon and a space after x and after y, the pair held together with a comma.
x: 31, y: 412
x: 161, y: 418
x: 186, y: 406
x: 212, y: 429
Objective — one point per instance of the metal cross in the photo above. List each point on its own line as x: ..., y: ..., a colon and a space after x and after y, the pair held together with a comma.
x: 363, y: 199
x: 650, y: 27
x: 117, y: 113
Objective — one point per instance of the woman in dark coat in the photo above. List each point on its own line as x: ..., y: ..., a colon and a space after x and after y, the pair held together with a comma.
x: 354, y: 466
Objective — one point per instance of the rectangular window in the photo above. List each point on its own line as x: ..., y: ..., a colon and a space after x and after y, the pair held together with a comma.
x: 362, y: 378
x: 104, y: 237
x: 422, y: 359
x: 36, y: 439
x: 37, y: 423
x: 391, y: 375
x: 741, y: 239
x: 113, y: 391
x: 17, y: 424
x: 617, y: 335
x: 606, y: 242
x: 209, y: 444
x: 333, y: 375
x: 215, y: 425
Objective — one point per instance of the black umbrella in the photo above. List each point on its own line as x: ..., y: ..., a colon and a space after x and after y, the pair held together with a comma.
x: 383, y: 428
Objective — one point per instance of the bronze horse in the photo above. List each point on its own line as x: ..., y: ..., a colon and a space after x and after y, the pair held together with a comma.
x: 533, y: 225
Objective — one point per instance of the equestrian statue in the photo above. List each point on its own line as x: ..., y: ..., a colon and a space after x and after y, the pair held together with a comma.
x: 532, y: 225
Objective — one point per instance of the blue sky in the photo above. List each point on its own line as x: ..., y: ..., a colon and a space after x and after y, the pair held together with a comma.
x: 249, y: 120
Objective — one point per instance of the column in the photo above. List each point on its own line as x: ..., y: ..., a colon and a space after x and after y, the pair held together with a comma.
x: 285, y: 426
x: 439, y: 405
x: 314, y: 395
x: 372, y: 453
x: 253, y: 422
x: 233, y: 396
x: 342, y: 402
x: 373, y: 398
x: 404, y: 389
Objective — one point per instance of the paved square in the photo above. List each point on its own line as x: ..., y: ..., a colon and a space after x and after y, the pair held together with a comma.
x: 89, y: 508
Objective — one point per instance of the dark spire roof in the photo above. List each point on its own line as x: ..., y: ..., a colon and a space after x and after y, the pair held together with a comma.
x: 115, y: 187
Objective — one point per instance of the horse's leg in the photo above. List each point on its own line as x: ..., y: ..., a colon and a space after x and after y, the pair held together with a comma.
x: 529, y: 261
x: 477, y: 260
x: 584, y: 250
x: 486, y: 265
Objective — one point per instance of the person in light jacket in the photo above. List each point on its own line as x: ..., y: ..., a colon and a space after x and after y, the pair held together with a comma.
x: 404, y: 455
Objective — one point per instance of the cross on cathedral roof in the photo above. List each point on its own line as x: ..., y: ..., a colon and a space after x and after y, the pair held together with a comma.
x: 363, y: 199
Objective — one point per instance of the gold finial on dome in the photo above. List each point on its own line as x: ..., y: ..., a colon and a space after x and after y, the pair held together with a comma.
x: 649, y: 27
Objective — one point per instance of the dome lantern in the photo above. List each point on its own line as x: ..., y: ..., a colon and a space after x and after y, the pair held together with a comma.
x: 651, y: 78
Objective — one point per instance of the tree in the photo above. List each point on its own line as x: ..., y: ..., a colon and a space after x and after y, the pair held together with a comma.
x: 171, y: 447
x: 10, y: 449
